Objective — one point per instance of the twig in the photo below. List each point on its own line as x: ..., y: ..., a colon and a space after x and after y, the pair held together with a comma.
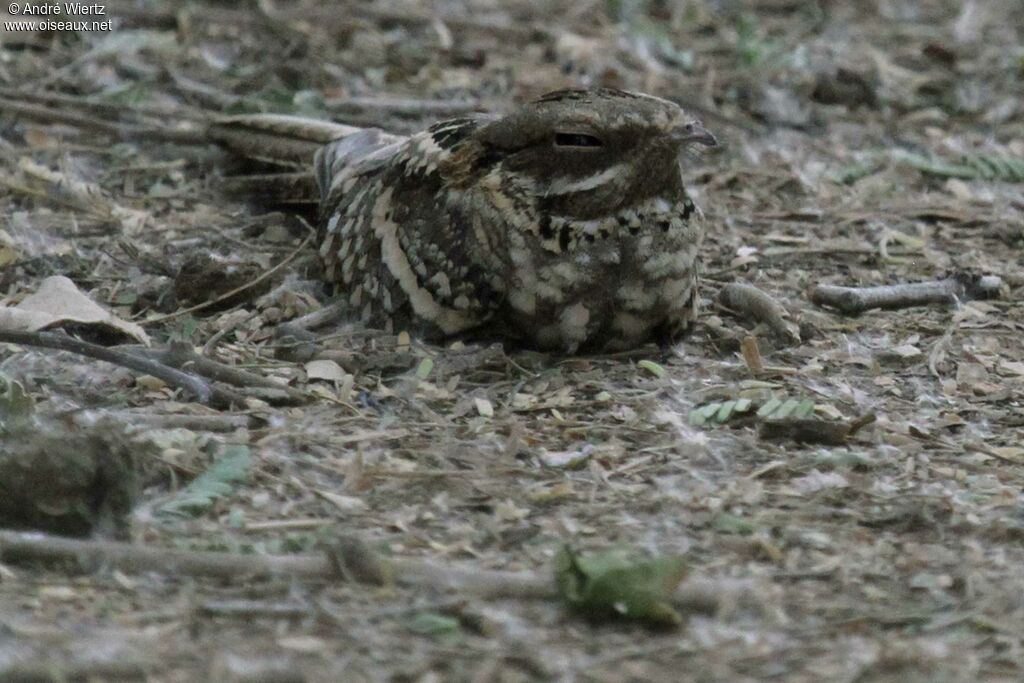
x: 405, y: 106
x: 79, y: 669
x: 16, y: 546
x: 856, y: 300
x: 287, y: 524
x: 698, y: 594
x: 217, y: 336
x: 119, y: 130
x: 207, y: 95
x: 203, y: 392
x: 241, y: 288
x: 181, y: 356
x: 332, y: 312
x: 832, y: 252
x: 167, y: 365
x: 80, y: 103
x: 757, y: 305
x: 408, y: 16
x: 248, y: 609
x: 195, y: 423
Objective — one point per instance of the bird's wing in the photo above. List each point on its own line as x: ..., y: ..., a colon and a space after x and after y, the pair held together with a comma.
x: 392, y: 233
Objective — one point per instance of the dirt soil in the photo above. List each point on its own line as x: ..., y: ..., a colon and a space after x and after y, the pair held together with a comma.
x: 863, y: 143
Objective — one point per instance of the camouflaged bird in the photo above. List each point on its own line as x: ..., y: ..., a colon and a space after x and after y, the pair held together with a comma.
x: 563, y: 225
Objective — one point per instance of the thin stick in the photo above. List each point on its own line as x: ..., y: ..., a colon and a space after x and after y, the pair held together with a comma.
x: 405, y: 106
x: 64, y: 101
x: 203, y: 392
x: 241, y: 288
x: 119, y: 130
x: 181, y: 356
x: 195, y: 423
x: 856, y: 300
x: 212, y: 342
x: 77, y: 669
x: 139, y: 559
x: 695, y: 593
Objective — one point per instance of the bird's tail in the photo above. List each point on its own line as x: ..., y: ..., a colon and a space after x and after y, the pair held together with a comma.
x: 315, y: 151
x: 276, y: 138
x: 288, y: 144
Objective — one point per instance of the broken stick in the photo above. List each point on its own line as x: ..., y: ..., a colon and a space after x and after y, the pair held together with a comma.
x: 705, y: 594
x: 856, y: 300
x: 197, y: 386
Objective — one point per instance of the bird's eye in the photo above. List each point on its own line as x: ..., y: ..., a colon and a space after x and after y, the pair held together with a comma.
x: 576, y: 140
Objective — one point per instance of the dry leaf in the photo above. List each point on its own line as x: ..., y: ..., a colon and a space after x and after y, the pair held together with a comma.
x: 326, y: 370
x: 816, y: 481
x: 58, y: 301
x: 343, y: 503
x: 484, y: 407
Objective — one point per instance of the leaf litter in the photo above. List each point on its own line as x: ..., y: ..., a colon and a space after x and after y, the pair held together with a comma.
x: 864, y: 146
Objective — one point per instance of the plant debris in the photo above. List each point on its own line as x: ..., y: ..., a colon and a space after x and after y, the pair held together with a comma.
x: 867, y: 145
x: 854, y: 300
x: 620, y: 584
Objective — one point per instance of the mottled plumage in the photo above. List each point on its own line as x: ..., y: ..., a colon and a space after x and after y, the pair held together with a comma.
x: 563, y: 225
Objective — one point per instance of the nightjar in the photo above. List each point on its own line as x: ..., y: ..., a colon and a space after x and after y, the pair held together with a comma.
x: 563, y: 225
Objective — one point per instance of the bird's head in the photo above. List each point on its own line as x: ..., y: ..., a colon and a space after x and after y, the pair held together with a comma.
x: 587, y: 153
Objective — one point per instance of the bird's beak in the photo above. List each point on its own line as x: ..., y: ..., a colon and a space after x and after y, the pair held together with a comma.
x: 694, y: 132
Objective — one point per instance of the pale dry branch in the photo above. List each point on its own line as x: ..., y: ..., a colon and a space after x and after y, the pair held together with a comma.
x: 697, y: 594
x: 856, y: 300
x: 198, y: 387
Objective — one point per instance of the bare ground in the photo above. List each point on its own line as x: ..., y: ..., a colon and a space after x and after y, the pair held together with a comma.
x: 895, y: 556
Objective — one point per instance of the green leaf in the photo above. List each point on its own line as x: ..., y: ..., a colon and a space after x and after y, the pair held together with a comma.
x: 424, y: 368
x: 700, y: 416
x: 851, y: 174
x: 620, y: 584
x: 216, y: 482
x: 939, y: 168
x: 652, y: 367
x: 970, y: 167
x: 720, y: 412
x: 786, y: 409
x: 725, y: 411
x: 236, y: 518
x: 710, y: 409
x: 726, y: 523
x: 750, y: 48
x: 435, y: 625
x: 804, y: 408
x: 988, y: 167
x: 1017, y: 168
x: 769, y: 407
